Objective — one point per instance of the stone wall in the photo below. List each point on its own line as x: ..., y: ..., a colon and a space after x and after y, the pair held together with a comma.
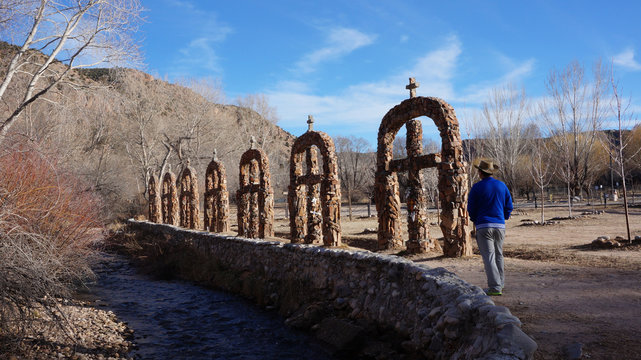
x: 339, y: 294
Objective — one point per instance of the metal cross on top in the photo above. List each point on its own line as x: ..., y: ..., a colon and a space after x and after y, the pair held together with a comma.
x: 252, y: 143
x: 413, y: 85
x: 310, y: 123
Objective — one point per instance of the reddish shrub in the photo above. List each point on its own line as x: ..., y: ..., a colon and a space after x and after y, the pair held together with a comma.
x: 47, y: 218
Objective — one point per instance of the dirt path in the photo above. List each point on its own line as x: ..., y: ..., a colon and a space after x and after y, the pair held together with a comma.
x: 563, y: 291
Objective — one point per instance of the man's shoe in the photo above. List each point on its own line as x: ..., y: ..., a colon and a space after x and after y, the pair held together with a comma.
x: 490, y: 292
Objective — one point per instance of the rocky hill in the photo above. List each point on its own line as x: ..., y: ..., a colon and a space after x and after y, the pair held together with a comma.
x: 116, y: 127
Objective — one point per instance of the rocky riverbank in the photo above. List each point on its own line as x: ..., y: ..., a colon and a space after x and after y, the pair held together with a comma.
x: 87, y: 333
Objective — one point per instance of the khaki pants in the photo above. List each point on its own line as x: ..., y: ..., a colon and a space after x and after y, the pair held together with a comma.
x: 490, y: 242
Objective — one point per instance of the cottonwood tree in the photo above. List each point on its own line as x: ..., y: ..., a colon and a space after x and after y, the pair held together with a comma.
x: 142, y: 127
x: 210, y: 88
x: 355, y: 162
x: 506, y: 139
x: 541, y: 169
x: 617, y: 145
x: 573, y: 112
x: 56, y: 37
x: 261, y: 130
x: 633, y: 151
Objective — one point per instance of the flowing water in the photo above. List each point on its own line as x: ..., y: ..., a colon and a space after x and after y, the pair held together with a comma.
x: 178, y: 320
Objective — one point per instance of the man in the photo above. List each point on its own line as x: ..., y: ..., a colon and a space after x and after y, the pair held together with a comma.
x: 489, y: 205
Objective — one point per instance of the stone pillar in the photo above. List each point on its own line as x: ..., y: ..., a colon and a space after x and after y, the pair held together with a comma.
x: 216, y: 214
x: 170, y: 208
x: 189, y: 202
x: 314, y: 216
x: 297, y: 201
x: 417, y: 224
x: 155, y: 212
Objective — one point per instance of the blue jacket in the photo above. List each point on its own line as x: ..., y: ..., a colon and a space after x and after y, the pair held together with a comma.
x: 489, y: 202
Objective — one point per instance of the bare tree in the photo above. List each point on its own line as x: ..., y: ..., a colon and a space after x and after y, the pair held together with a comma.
x: 541, y: 169
x: 574, y: 113
x: 617, y: 145
x: 56, y: 37
x: 211, y: 89
x: 355, y: 161
x: 505, y: 139
x: 253, y: 126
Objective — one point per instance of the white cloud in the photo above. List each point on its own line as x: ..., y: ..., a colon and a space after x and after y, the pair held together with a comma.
x: 340, y: 42
x: 514, y: 73
x: 359, y: 108
x: 204, y: 33
x: 404, y: 39
x: 626, y: 60
x: 200, y: 53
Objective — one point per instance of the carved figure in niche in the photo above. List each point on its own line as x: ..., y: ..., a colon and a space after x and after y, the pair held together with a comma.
x: 216, y: 214
x: 169, y: 199
x: 189, y: 205
x: 452, y: 177
x: 154, y: 200
x: 314, y: 198
x: 255, y: 197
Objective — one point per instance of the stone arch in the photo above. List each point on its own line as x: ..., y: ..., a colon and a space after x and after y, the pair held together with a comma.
x: 314, y: 194
x: 155, y: 214
x: 451, y: 169
x: 189, y: 204
x: 169, y: 199
x: 255, y: 197
x: 216, y: 207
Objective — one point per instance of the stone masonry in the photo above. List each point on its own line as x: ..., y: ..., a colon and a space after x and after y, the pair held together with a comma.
x: 452, y: 183
x: 216, y: 212
x: 433, y: 313
x: 255, y: 197
x: 169, y: 197
x: 314, y: 197
x: 155, y: 212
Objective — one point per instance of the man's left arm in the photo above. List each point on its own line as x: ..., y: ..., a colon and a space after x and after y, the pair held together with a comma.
x: 508, y: 206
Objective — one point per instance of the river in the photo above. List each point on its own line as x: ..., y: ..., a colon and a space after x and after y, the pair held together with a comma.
x: 178, y: 320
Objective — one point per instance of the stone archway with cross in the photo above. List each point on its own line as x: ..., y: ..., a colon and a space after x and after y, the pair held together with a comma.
x: 255, y: 197
x: 216, y: 207
x: 314, y: 195
x: 169, y: 199
x: 452, y: 183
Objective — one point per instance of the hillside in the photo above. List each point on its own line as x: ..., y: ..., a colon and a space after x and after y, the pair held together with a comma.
x: 115, y: 127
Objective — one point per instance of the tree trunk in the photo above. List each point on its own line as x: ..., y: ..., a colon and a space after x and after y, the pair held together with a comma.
x: 349, y: 203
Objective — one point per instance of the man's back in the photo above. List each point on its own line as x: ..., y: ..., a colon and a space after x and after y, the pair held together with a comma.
x: 489, y: 202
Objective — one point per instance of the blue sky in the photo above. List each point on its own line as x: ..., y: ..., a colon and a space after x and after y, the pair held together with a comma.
x: 347, y: 62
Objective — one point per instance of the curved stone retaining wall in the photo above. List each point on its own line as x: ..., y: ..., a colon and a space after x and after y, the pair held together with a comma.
x: 433, y: 312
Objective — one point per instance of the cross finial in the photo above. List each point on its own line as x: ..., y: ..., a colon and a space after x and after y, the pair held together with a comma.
x: 188, y: 162
x: 252, y: 143
x: 412, y: 87
x: 310, y: 123
x: 215, y: 155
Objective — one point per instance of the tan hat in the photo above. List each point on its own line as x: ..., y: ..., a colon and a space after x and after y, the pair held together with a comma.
x: 487, y: 166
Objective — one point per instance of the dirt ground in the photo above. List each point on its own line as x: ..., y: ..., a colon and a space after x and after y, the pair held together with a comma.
x: 563, y: 290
